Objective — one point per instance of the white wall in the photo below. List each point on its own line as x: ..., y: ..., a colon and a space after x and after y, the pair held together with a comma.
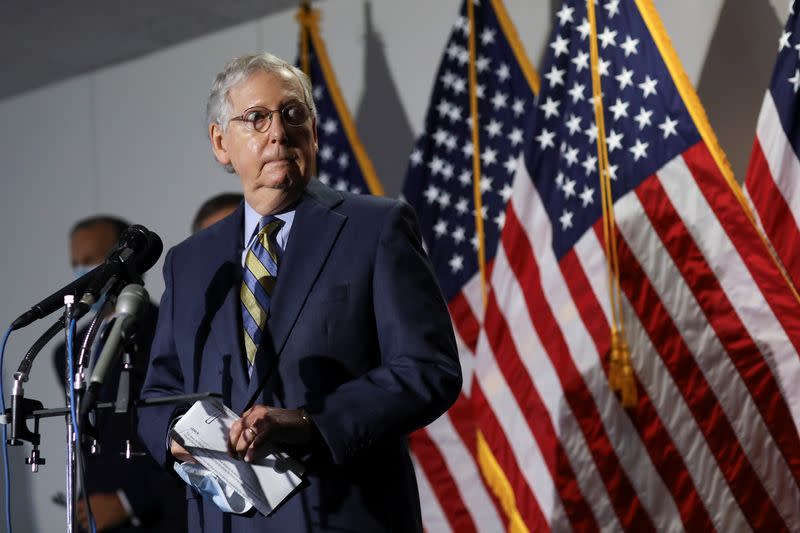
x: 130, y: 140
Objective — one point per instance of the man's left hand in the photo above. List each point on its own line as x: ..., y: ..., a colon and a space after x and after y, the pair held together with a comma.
x: 262, y: 424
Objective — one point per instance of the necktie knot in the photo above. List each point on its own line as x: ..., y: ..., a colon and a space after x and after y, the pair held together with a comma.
x: 268, y: 227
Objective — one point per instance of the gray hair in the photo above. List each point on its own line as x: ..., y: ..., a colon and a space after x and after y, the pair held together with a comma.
x: 218, y: 106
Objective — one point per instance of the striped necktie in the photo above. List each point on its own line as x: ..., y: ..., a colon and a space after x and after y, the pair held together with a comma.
x: 258, y: 280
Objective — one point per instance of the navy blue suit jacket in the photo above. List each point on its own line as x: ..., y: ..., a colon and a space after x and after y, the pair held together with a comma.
x: 359, y: 335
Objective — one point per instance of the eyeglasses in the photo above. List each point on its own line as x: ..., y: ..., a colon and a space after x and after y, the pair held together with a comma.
x: 260, y: 118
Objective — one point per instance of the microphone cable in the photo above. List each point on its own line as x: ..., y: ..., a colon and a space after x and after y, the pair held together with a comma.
x: 74, y: 415
x: 6, y: 476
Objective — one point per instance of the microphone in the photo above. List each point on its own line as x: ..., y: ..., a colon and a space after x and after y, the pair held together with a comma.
x: 136, y: 247
x: 131, y: 303
x: 137, y: 251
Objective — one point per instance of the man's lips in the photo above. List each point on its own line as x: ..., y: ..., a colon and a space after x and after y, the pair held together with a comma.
x: 280, y: 159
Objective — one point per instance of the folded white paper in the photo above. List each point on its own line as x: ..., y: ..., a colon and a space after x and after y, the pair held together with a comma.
x: 265, y: 482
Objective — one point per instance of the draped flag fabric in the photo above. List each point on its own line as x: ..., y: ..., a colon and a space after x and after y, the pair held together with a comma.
x: 773, y: 177
x: 342, y: 162
x: 712, y: 325
x: 440, y: 183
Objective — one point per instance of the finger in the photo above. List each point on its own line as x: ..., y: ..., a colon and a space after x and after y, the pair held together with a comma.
x: 252, y: 416
x: 241, y: 441
x: 234, y: 434
x: 252, y: 450
x: 245, y: 440
x: 180, y: 453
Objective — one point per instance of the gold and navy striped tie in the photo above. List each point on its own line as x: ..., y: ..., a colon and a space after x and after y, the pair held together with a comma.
x: 258, y: 280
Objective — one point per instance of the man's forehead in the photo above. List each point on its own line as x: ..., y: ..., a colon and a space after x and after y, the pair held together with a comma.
x: 262, y: 83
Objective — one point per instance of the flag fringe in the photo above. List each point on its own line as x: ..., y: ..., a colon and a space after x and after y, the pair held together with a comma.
x: 530, y: 72
x: 498, y: 482
x: 698, y: 114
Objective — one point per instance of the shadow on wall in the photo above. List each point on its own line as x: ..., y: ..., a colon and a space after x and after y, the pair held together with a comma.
x: 555, y: 6
x: 381, y: 120
x: 736, y: 72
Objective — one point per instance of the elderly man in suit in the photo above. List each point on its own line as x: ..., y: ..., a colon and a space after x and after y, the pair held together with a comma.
x: 319, y: 304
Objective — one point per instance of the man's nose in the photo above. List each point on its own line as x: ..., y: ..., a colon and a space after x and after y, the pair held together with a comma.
x: 277, y: 131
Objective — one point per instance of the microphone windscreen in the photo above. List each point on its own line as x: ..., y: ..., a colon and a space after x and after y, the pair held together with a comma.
x: 131, y: 300
x: 152, y: 252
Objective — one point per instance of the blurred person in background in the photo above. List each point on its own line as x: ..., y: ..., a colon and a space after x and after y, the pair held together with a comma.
x: 215, y: 209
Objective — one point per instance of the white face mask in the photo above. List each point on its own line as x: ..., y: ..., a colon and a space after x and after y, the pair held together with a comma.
x: 80, y: 270
x: 212, y: 488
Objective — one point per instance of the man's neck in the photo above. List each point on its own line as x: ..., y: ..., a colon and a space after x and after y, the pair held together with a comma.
x: 274, y: 204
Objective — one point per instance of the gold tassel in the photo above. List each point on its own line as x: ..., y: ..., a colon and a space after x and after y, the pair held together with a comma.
x: 627, y: 379
x: 615, y: 363
x: 620, y: 372
x: 630, y: 397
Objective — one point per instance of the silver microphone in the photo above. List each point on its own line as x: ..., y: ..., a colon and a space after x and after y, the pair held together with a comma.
x: 131, y: 303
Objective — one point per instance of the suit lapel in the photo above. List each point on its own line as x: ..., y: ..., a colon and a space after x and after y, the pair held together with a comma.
x: 314, y: 231
x: 227, y: 329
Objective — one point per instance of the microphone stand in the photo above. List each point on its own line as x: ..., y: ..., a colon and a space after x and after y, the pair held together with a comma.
x: 123, y: 404
x: 72, y: 444
x: 23, y: 408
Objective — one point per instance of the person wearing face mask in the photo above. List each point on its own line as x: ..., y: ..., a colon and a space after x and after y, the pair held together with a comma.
x: 126, y: 495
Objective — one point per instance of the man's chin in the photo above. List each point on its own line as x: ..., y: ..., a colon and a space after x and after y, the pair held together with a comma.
x: 274, y: 195
x: 287, y: 181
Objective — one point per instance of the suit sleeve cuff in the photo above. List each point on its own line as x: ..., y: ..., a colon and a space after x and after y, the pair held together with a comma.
x: 169, y: 433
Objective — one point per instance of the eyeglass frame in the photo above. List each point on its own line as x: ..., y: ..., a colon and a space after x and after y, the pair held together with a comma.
x: 270, y: 112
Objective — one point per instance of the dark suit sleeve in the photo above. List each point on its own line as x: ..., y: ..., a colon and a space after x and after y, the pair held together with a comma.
x: 164, y: 376
x: 419, y: 376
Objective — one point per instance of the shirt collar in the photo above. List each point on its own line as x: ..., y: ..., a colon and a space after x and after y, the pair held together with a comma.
x: 252, y: 218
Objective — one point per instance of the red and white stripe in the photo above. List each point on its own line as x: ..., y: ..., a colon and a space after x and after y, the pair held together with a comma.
x: 711, y: 443
x: 773, y: 187
x: 453, y: 494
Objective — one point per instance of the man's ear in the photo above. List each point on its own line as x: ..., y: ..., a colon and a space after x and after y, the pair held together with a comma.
x: 216, y: 135
x: 314, y: 133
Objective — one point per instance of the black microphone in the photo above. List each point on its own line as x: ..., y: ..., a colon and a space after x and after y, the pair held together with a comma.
x: 131, y: 303
x: 121, y: 261
x: 137, y: 250
x: 55, y: 300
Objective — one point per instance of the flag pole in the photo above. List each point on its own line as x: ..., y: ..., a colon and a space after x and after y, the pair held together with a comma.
x: 303, y: 17
x: 309, y: 23
x: 476, y: 152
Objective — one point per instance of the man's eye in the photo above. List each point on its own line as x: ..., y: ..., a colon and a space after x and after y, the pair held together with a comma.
x: 295, y: 114
x: 255, y: 116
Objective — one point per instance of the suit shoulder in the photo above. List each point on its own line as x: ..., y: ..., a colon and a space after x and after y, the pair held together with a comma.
x: 363, y: 205
x: 222, y: 237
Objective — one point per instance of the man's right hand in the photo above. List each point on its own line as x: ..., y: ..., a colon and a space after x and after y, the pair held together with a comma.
x: 180, y: 453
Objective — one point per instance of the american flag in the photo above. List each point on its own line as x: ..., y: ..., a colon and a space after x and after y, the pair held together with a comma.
x: 773, y: 177
x: 342, y: 162
x: 710, y: 443
x: 439, y: 184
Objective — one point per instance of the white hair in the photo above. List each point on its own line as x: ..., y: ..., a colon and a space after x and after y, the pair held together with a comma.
x: 218, y: 105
